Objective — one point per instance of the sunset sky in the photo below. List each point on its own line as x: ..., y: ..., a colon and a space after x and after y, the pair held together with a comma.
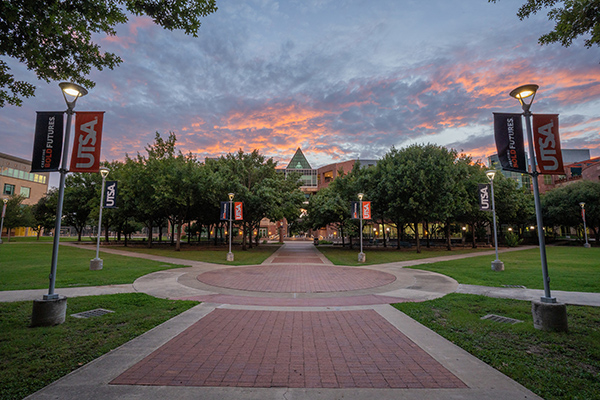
x: 340, y: 79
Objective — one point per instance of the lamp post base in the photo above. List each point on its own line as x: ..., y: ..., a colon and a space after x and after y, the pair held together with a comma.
x: 362, y: 257
x: 49, y: 312
x: 230, y: 256
x: 549, y: 316
x: 96, y: 264
x: 497, y: 265
x: 586, y: 245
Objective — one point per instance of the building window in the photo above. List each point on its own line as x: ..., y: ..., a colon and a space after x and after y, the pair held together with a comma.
x: 547, y: 179
x: 9, y: 189
x: 25, y: 191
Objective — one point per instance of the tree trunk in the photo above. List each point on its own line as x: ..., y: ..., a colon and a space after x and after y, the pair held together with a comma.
x: 244, y: 236
x: 427, y: 234
x: 178, y: 243
x: 417, y: 237
x: 474, y: 241
x: 160, y: 227
x: 448, y: 240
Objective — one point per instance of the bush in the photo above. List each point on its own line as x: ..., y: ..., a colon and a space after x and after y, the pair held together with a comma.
x: 512, y: 239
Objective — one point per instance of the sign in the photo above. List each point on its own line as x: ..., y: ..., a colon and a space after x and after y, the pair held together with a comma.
x: 484, y: 190
x: 508, y: 132
x: 86, y: 146
x: 48, y: 141
x: 110, y: 194
x: 355, y: 210
x: 224, y: 211
x: 547, y: 144
x: 237, y: 211
x: 366, y: 210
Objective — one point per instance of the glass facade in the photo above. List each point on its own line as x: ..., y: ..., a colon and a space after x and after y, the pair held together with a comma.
x: 20, y: 174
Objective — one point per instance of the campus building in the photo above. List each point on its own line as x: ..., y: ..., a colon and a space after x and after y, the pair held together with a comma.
x: 15, y: 179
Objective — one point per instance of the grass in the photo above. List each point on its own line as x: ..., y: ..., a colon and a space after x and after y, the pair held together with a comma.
x: 27, y: 266
x: 553, y: 365
x: 381, y: 255
x: 215, y: 255
x: 32, y: 358
x: 569, y: 268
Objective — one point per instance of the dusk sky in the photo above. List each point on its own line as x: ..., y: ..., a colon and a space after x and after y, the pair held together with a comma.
x: 340, y: 79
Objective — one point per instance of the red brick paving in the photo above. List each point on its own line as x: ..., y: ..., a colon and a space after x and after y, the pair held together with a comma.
x: 296, y: 278
x: 334, y: 349
x: 342, y: 301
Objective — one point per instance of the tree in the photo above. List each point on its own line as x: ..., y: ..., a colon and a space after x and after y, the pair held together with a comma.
x: 81, y: 196
x: 17, y: 214
x: 573, y: 18
x: 54, y: 38
x: 44, y: 212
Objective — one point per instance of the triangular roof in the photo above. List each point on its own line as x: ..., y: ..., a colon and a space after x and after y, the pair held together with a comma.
x: 299, y: 161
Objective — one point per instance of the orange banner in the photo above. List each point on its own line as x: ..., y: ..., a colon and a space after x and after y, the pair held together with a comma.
x: 366, y: 210
x: 86, y: 145
x: 547, y: 144
x: 237, y: 211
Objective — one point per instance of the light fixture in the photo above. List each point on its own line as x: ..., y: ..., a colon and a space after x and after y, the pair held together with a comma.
x: 231, y: 196
x: 104, y: 172
x: 525, y: 92
x: 97, y: 263
x: 360, y: 196
x: 74, y: 91
x: 490, y: 174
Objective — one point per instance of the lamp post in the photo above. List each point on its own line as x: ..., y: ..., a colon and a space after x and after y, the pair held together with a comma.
x: 582, y: 204
x: 51, y: 310
x: 525, y: 94
x: 497, y: 265
x: 96, y: 263
x: 230, y: 256
x: 361, y: 256
x: 2, y: 223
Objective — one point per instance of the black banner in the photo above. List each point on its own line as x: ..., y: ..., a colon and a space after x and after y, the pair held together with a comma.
x: 508, y: 131
x: 355, y: 211
x: 225, y: 211
x: 485, y: 197
x: 48, y: 141
x: 110, y: 194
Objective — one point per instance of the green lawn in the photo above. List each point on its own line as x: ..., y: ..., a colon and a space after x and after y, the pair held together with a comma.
x: 381, y: 255
x: 32, y: 358
x: 553, y: 365
x: 569, y: 268
x: 216, y: 255
x: 27, y: 266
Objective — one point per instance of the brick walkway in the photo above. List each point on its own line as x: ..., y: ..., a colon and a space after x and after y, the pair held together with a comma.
x: 334, y: 349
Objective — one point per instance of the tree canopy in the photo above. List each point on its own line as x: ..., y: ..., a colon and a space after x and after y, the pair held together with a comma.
x: 573, y: 18
x: 54, y: 38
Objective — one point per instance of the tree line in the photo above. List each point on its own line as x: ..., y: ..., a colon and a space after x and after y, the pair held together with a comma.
x: 419, y: 185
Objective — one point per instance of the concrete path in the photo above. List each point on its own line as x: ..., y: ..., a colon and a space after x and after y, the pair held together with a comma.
x: 295, y: 327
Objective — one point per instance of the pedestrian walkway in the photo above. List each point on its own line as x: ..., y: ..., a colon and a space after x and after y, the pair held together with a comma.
x: 289, y: 330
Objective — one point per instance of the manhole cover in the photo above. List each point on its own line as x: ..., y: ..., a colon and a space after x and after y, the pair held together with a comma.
x: 92, y: 313
x: 499, y: 318
x: 514, y: 286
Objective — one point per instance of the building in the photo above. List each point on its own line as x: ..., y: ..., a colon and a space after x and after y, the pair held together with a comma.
x: 15, y: 179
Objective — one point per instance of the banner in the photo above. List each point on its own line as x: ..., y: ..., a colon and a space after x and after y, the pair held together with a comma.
x: 484, y: 190
x: 508, y: 132
x: 88, y: 137
x: 237, y: 211
x: 110, y: 194
x: 366, y: 210
x: 48, y: 141
x: 224, y: 211
x: 547, y: 144
x: 355, y: 210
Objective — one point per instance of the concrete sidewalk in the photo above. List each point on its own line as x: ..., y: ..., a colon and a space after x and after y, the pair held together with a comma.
x: 295, y: 327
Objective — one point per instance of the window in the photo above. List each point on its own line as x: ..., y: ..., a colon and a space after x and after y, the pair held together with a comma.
x: 9, y: 189
x: 25, y: 191
x: 547, y: 179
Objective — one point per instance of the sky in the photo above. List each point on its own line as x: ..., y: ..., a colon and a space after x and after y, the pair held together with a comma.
x: 341, y: 79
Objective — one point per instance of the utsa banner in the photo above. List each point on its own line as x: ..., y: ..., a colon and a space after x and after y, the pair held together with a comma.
x: 48, y: 141
x: 547, y: 144
x: 110, y: 194
x: 484, y: 190
x: 366, y: 210
x: 508, y: 132
x: 88, y: 137
x: 224, y: 211
x: 237, y: 211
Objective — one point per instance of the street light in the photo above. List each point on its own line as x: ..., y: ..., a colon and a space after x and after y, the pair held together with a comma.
x: 230, y: 256
x: 497, y: 265
x: 525, y: 94
x: 96, y: 263
x: 52, y: 308
x: 582, y: 204
x: 2, y: 223
x: 361, y: 256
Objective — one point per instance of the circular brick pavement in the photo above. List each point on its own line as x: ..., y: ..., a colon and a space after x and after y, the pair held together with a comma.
x: 296, y: 278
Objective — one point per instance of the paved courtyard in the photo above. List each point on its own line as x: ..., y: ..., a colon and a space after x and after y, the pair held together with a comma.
x: 295, y: 327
